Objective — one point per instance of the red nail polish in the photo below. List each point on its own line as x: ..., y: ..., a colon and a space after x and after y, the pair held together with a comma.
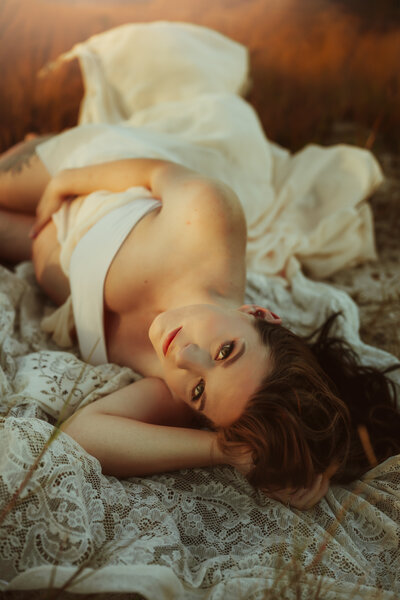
x: 275, y: 316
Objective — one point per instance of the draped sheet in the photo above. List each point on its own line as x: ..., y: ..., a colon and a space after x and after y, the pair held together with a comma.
x: 196, y: 533
x: 169, y: 90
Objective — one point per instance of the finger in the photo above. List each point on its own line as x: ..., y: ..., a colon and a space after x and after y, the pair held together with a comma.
x: 283, y: 496
x: 303, y: 497
x: 37, y: 227
x: 325, y: 487
x: 305, y: 493
x: 314, y: 495
x: 46, y: 208
x: 42, y: 219
x: 314, y: 489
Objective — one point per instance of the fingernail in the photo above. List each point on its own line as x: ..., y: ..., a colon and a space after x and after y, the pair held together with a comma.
x: 274, y: 315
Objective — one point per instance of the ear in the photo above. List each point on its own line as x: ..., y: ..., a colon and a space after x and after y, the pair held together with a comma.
x: 260, y: 313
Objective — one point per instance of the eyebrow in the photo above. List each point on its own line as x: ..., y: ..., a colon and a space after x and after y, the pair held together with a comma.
x: 229, y: 361
x: 202, y: 402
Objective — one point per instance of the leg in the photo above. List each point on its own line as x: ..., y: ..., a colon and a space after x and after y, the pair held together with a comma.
x: 23, y: 177
x: 44, y: 251
x: 15, y: 244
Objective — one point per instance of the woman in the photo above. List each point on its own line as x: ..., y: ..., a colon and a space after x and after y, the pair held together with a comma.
x: 167, y: 301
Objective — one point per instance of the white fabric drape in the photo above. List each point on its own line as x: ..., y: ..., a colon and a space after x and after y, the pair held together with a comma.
x: 172, y: 91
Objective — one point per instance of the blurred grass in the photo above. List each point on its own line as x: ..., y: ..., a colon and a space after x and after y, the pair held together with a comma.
x: 313, y: 62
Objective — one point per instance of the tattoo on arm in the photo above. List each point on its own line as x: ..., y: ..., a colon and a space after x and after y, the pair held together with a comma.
x: 16, y: 161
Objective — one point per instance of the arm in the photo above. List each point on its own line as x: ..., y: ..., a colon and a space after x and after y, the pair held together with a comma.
x: 173, y: 184
x: 129, y: 448
x: 142, y: 430
x: 131, y: 434
x: 115, y: 176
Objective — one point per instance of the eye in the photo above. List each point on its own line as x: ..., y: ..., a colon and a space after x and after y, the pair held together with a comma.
x: 225, y: 351
x: 198, y: 391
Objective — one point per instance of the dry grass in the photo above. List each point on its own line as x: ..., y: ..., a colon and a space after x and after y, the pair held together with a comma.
x: 375, y: 287
x: 313, y: 62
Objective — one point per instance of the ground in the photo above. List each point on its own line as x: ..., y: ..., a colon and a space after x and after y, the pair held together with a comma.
x: 375, y: 286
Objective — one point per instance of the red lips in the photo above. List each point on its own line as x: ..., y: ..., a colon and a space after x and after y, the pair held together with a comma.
x: 168, y: 340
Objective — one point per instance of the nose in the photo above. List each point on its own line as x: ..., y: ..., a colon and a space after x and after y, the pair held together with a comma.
x: 194, y: 358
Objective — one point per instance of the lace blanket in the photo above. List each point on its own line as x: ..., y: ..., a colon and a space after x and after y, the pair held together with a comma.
x: 198, y: 533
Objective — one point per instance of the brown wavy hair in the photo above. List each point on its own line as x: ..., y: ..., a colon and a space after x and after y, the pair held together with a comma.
x: 314, y: 411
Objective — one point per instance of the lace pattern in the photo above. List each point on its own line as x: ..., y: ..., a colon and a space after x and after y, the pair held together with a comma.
x: 194, y: 533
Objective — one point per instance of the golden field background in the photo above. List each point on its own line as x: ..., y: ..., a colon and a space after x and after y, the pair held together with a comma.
x: 314, y: 62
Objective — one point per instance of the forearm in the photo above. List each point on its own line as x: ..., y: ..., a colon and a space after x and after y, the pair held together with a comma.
x: 115, y: 176
x: 127, y: 448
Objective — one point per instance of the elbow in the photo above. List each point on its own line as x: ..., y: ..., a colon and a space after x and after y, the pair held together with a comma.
x: 81, y: 428
x: 75, y: 426
x: 85, y: 427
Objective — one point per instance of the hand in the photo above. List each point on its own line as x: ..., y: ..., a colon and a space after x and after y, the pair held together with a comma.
x: 303, y: 498
x: 50, y: 202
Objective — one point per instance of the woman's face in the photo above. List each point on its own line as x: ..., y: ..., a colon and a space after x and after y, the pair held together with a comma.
x: 212, y: 358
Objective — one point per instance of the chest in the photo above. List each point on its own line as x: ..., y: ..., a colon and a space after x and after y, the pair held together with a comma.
x: 160, y: 263
x: 160, y: 259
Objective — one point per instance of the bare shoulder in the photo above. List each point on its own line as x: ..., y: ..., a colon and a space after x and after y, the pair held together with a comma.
x: 214, y: 199
x: 191, y: 198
